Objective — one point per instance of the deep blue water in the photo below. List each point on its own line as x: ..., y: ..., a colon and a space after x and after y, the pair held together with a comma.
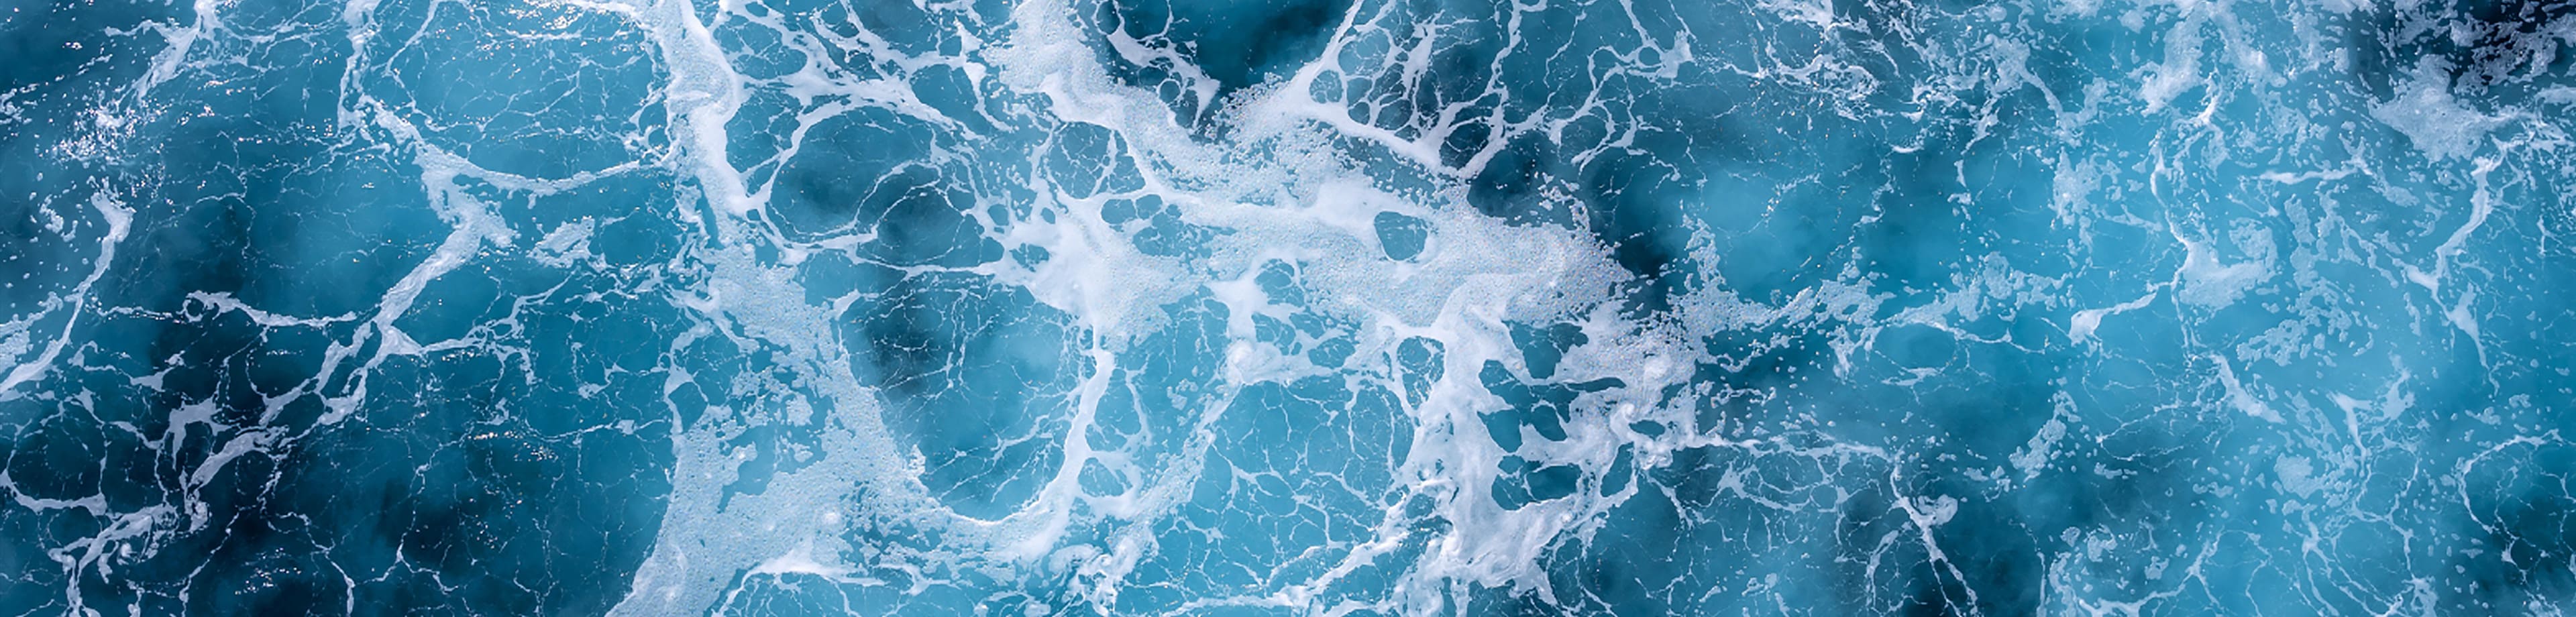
x: 1287, y: 307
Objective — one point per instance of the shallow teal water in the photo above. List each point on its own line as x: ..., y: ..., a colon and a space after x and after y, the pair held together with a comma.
x: 1332, y: 307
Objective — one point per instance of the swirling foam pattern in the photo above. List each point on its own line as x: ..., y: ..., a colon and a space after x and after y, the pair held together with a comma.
x: 1287, y: 307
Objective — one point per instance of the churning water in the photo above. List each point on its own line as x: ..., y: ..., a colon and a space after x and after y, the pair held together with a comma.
x: 1287, y: 307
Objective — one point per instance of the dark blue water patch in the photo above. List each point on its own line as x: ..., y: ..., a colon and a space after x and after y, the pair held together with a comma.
x: 1543, y: 347
x: 433, y: 483
x: 765, y: 53
x: 766, y: 124
x: 2492, y: 45
x: 1278, y: 280
x: 1524, y: 482
x: 1098, y: 480
x: 925, y: 338
x: 1622, y: 471
x: 1648, y: 428
x: 521, y: 92
x: 1120, y: 210
x: 2515, y: 510
x: 1622, y: 194
x: 960, y: 98
x: 58, y: 51
x: 1623, y: 569
x: 1277, y: 332
x: 1155, y: 227
x: 927, y: 220
x: 1162, y: 380
x: 1916, y: 347
x: 1305, y: 479
x: 1423, y: 361
x: 1541, y: 408
x: 850, y: 170
x: 1087, y: 160
x: 1749, y: 373
x: 456, y: 498
x: 1238, y: 44
x: 1166, y: 235
x: 1511, y: 185
x: 1332, y: 352
x: 911, y: 29
x: 204, y: 235
x: 1401, y: 237
x: 48, y: 262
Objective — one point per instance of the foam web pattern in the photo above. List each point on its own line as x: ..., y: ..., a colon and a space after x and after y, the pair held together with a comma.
x: 1311, y: 307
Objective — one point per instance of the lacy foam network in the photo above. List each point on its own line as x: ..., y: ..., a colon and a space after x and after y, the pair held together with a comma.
x: 1338, y: 307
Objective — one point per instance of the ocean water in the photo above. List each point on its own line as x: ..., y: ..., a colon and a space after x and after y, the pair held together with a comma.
x: 1287, y: 307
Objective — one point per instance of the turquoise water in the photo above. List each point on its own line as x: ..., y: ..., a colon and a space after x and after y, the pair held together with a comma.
x: 1287, y: 307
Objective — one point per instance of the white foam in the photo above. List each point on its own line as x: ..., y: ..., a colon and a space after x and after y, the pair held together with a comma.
x: 2239, y: 396
x: 2080, y: 328
x: 567, y: 245
x: 120, y: 220
x: 2430, y: 117
x: 2180, y: 70
x: 2481, y: 205
x: 2207, y: 282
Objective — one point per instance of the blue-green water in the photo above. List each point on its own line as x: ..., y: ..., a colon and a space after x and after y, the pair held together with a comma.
x: 1287, y: 307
